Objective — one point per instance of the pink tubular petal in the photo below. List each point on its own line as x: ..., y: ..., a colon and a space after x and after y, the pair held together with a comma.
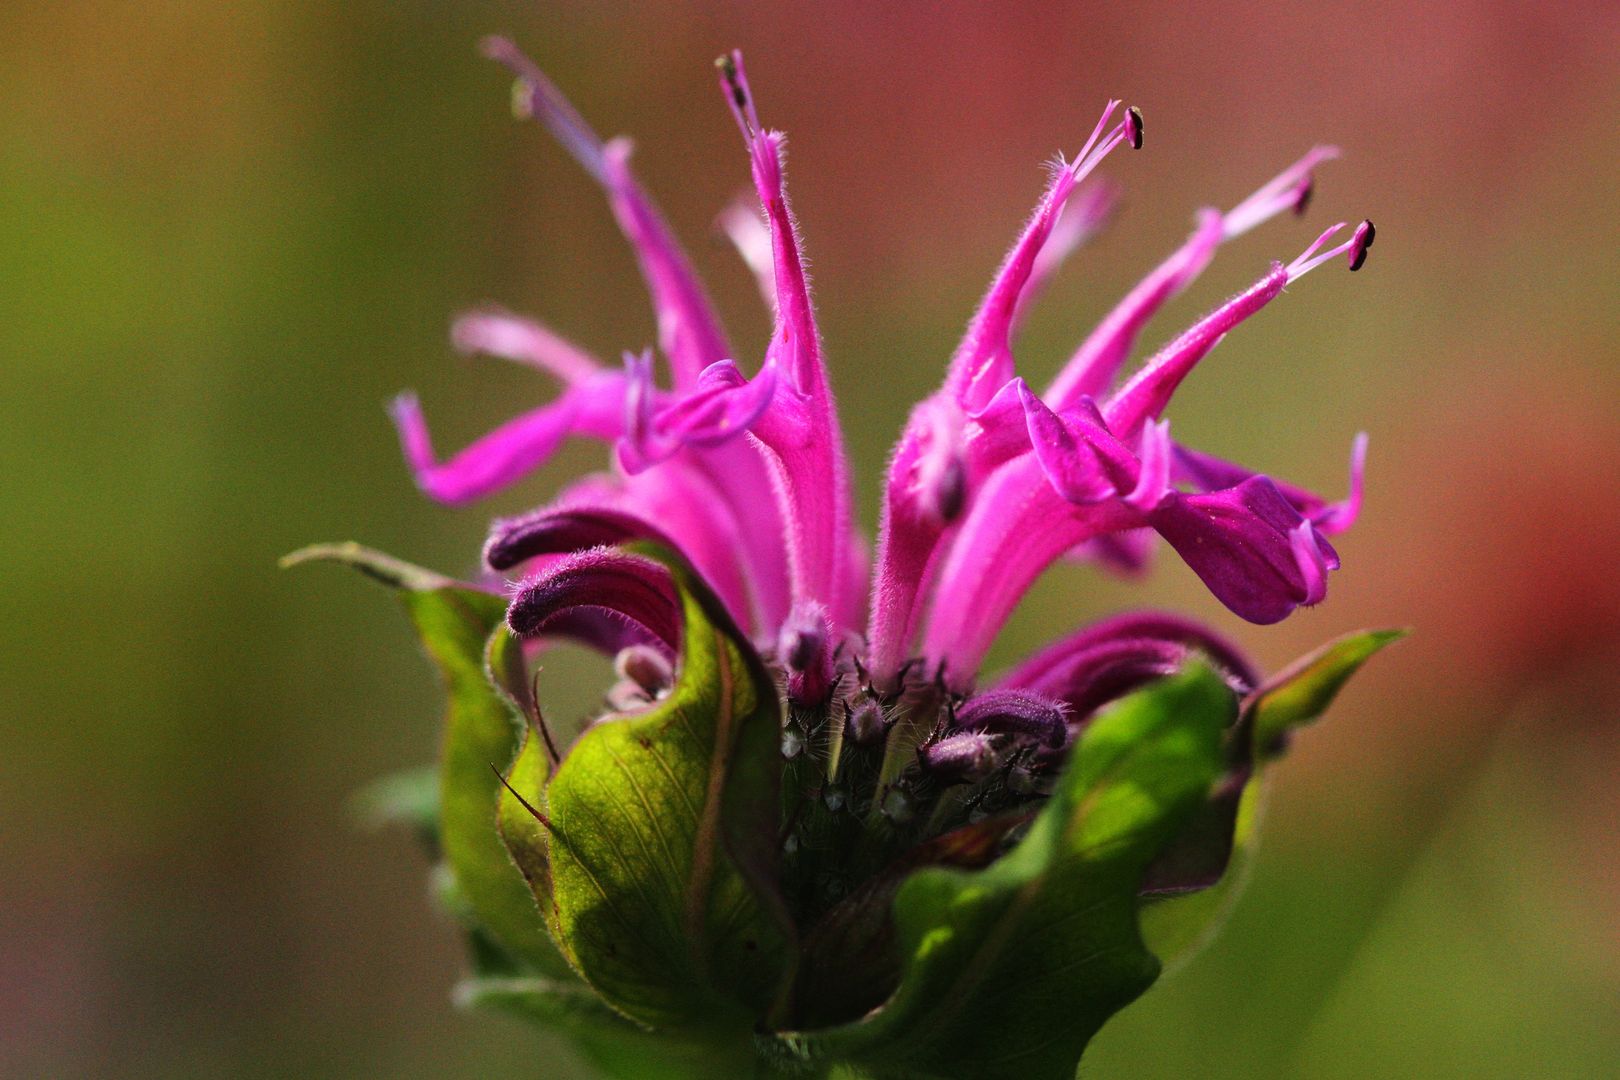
x: 983, y: 362
x: 1144, y: 397
x: 688, y: 331
x: 562, y: 531
x: 1088, y: 212
x: 930, y: 475
x: 510, y: 337
x: 1288, y: 190
x: 515, y: 448
x: 1014, y: 712
x: 1312, y: 565
x: 498, y: 459
x: 721, y: 407
x: 800, y: 432
x: 1072, y: 465
x: 678, y: 499
x: 626, y: 587
x: 1093, y: 367
x: 1018, y: 526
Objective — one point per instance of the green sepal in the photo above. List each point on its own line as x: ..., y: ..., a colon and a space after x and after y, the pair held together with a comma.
x: 455, y: 622
x: 1011, y: 969
x: 1177, y: 927
x: 665, y: 838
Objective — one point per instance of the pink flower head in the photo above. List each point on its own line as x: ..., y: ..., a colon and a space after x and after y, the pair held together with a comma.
x: 990, y: 483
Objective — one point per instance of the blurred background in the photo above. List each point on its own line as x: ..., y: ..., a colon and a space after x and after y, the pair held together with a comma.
x: 232, y: 231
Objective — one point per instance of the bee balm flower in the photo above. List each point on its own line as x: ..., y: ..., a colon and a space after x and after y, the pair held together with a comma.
x: 811, y: 831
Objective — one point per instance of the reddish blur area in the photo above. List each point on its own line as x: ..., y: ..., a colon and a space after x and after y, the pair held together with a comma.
x: 233, y: 231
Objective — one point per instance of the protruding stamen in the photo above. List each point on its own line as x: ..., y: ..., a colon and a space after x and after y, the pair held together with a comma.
x: 734, y: 80
x: 1290, y: 189
x: 1133, y: 127
x: 1354, y: 248
x: 536, y: 96
x: 1360, y: 242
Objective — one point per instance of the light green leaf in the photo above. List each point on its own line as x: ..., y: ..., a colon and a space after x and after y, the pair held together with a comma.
x: 1303, y: 691
x: 455, y: 621
x: 1010, y: 970
x: 665, y: 836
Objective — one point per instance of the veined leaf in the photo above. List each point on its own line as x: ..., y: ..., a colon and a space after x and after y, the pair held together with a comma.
x: 1010, y: 970
x: 665, y: 835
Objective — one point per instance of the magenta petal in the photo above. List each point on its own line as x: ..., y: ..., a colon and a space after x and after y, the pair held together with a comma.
x: 627, y: 587
x: 1145, y: 395
x: 498, y: 459
x: 525, y: 341
x: 1094, y: 365
x: 983, y: 362
x: 1242, y: 542
x: 562, y: 531
x: 1099, y: 663
x: 800, y: 432
x: 514, y: 449
x: 722, y: 406
x: 1072, y: 465
x: 1015, y: 712
x: 688, y: 330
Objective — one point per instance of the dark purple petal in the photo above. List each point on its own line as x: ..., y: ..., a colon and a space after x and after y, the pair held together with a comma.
x: 561, y: 530
x: 1242, y: 542
x: 600, y: 580
x: 1094, y: 666
x: 1015, y: 712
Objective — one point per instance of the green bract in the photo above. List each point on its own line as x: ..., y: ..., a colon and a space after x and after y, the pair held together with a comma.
x: 629, y: 893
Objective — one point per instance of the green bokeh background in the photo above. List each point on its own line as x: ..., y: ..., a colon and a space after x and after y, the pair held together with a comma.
x: 231, y: 231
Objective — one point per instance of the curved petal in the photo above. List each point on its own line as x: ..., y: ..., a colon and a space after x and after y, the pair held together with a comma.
x: 1245, y: 545
x: 1096, y: 664
x: 801, y: 435
x: 630, y: 588
x: 688, y: 330
x: 514, y: 449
